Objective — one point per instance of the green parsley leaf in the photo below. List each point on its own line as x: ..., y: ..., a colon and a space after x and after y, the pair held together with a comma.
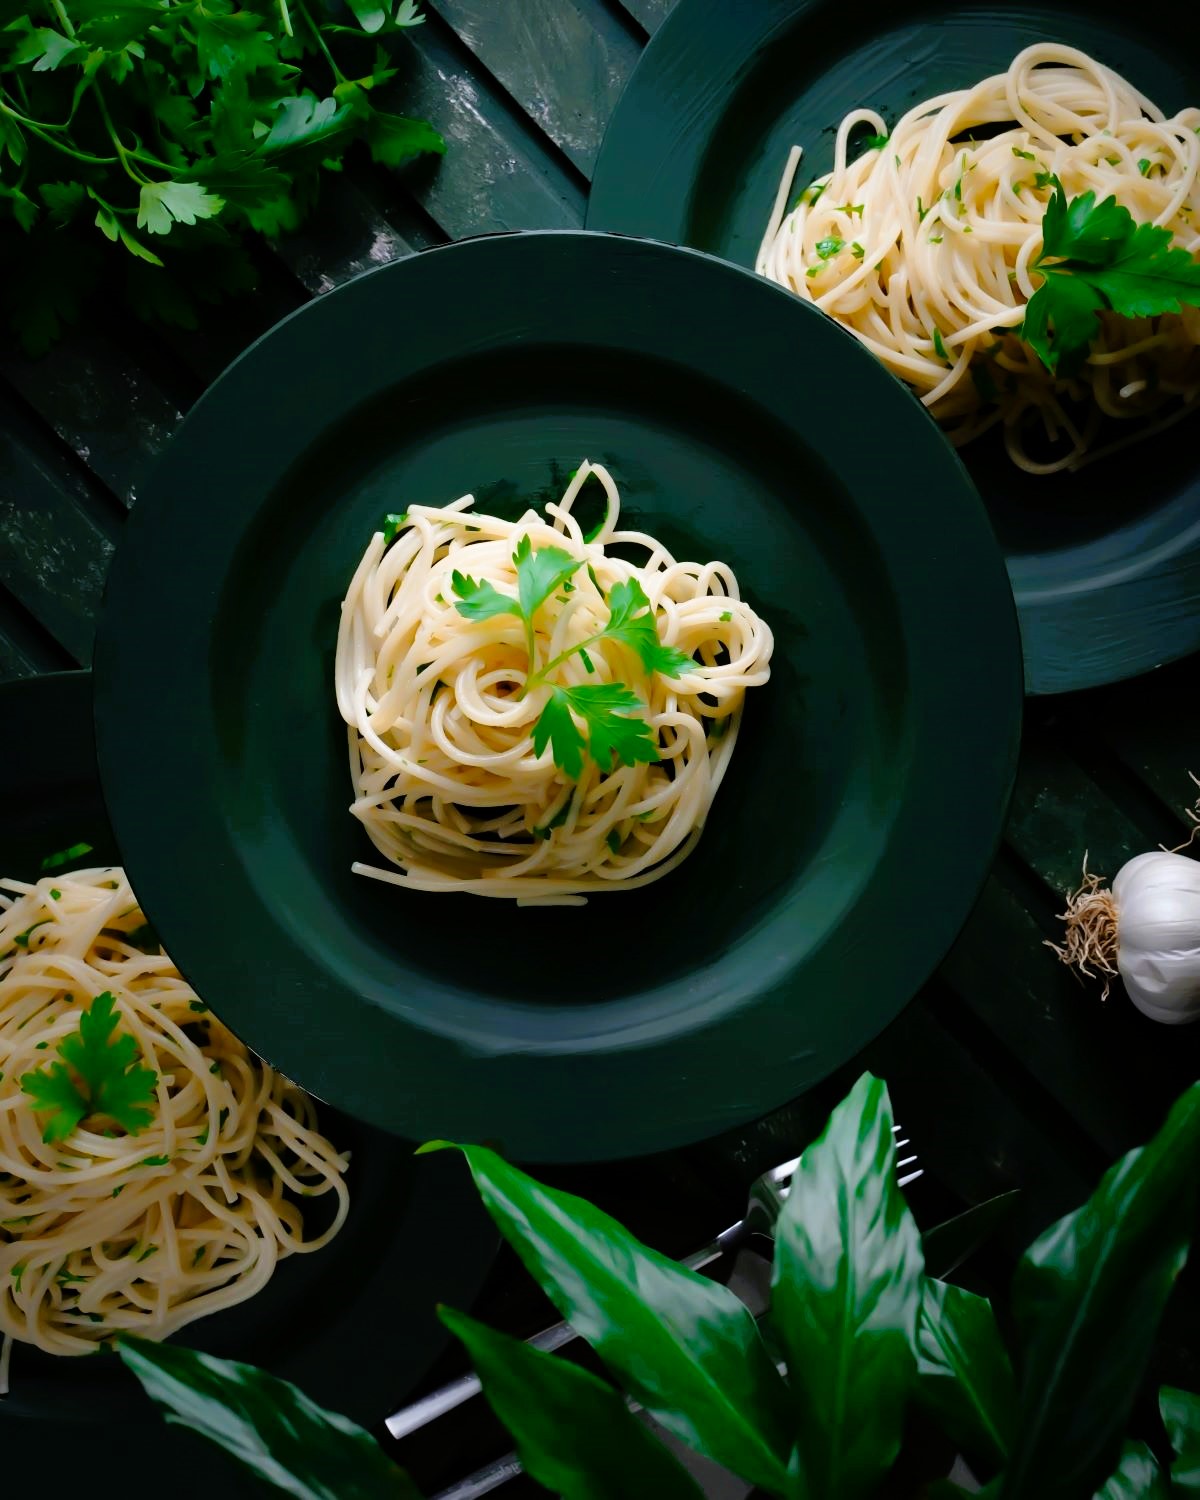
x: 64, y: 857
x: 1044, y: 180
x: 161, y: 205
x: 939, y: 347
x: 540, y: 572
x: 155, y: 1161
x: 393, y: 525
x: 394, y: 139
x: 613, y: 839
x: 1144, y: 166
x: 631, y: 622
x: 1097, y: 256
x: 876, y: 142
x: 104, y: 1078
x: 829, y: 246
x: 481, y: 600
x: 1024, y: 155
x: 612, y: 713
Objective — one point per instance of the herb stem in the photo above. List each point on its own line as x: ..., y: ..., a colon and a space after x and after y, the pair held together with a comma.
x: 123, y: 155
x: 285, y: 16
x: 339, y: 76
x: 64, y: 20
x: 46, y: 133
x: 539, y: 677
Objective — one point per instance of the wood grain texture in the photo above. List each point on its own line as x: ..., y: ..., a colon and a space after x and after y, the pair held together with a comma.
x: 563, y: 61
x: 649, y: 13
x: 496, y: 174
x: 56, y: 533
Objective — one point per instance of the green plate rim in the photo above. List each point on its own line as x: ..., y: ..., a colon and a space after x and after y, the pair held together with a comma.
x: 1123, y: 622
x: 957, y: 616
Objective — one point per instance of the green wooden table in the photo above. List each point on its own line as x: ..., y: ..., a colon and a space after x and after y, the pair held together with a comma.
x: 1004, y: 1071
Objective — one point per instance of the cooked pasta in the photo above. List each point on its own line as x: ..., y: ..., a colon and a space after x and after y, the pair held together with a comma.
x: 443, y: 710
x: 104, y: 1228
x: 924, y: 248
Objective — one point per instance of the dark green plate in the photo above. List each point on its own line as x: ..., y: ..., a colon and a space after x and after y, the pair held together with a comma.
x: 353, y: 1324
x: 1105, y: 564
x: 862, y: 807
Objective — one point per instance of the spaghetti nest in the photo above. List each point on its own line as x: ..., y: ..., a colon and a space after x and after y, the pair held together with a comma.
x: 467, y: 728
x: 183, y: 1198
x: 925, y: 248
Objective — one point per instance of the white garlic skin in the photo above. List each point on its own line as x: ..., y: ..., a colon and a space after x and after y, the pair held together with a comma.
x: 1158, y: 926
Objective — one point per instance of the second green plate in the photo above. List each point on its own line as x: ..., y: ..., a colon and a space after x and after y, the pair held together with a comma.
x: 1105, y: 563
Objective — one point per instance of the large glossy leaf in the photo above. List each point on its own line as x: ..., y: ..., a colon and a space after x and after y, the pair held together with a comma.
x: 947, y: 1245
x: 1136, y: 1477
x: 684, y: 1346
x: 1181, y: 1417
x: 267, y: 1425
x: 963, y: 1371
x: 573, y: 1433
x: 844, y: 1303
x: 1087, y: 1298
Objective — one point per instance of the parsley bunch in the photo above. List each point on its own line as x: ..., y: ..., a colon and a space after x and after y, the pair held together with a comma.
x: 148, y: 135
x: 98, y: 1075
x: 1097, y: 256
x: 611, y: 712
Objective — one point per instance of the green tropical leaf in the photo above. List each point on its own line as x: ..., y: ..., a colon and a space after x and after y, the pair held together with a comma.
x: 1097, y: 1282
x: 1137, y: 1477
x: 1180, y: 1411
x: 573, y: 1432
x: 946, y: 1246
x: 268, y: 1425
x: 963, y: 1371
x: 845, y: 1298
x: 682, y: 1345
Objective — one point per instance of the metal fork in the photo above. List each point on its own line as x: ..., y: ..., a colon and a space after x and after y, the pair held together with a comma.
x: 768, y: 1194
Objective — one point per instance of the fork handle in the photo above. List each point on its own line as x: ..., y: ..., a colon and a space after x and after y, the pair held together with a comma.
x: 428, y: 1408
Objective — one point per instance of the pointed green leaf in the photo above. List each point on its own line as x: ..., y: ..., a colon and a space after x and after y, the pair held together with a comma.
x: 1180, y: 1411
x: 573, y: 1432
x: 1137, y: 1477
x: 946, y: 1246
x: 963, y: 1371
x: 682, y: 1345
x: 267, y: 1425
x: 1096, y: 1281
x: 845, y: 1298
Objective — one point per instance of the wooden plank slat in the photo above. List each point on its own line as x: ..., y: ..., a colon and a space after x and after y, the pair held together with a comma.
x: 25, y: 648
x: 564, y: 61
x: 497, y: 174
x: 649, y: 14
x: 1106, y: 1065
x: 53, y: 554
x: 102, y: 403
x: 1059, y: 814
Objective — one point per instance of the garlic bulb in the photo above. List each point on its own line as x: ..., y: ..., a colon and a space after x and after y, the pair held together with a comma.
x: 1157, y: 898
x: 1147, y: 929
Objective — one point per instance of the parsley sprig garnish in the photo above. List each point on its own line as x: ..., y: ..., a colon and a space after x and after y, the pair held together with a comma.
x: 611, y: 711
x: 98, y: 1075
x: 144, y: 136
x: 1097, y: 256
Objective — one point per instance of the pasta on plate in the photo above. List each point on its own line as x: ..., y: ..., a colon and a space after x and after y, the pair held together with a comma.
x: 926, y: 244
x: 151, y: 1167
x: 531, y: 715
